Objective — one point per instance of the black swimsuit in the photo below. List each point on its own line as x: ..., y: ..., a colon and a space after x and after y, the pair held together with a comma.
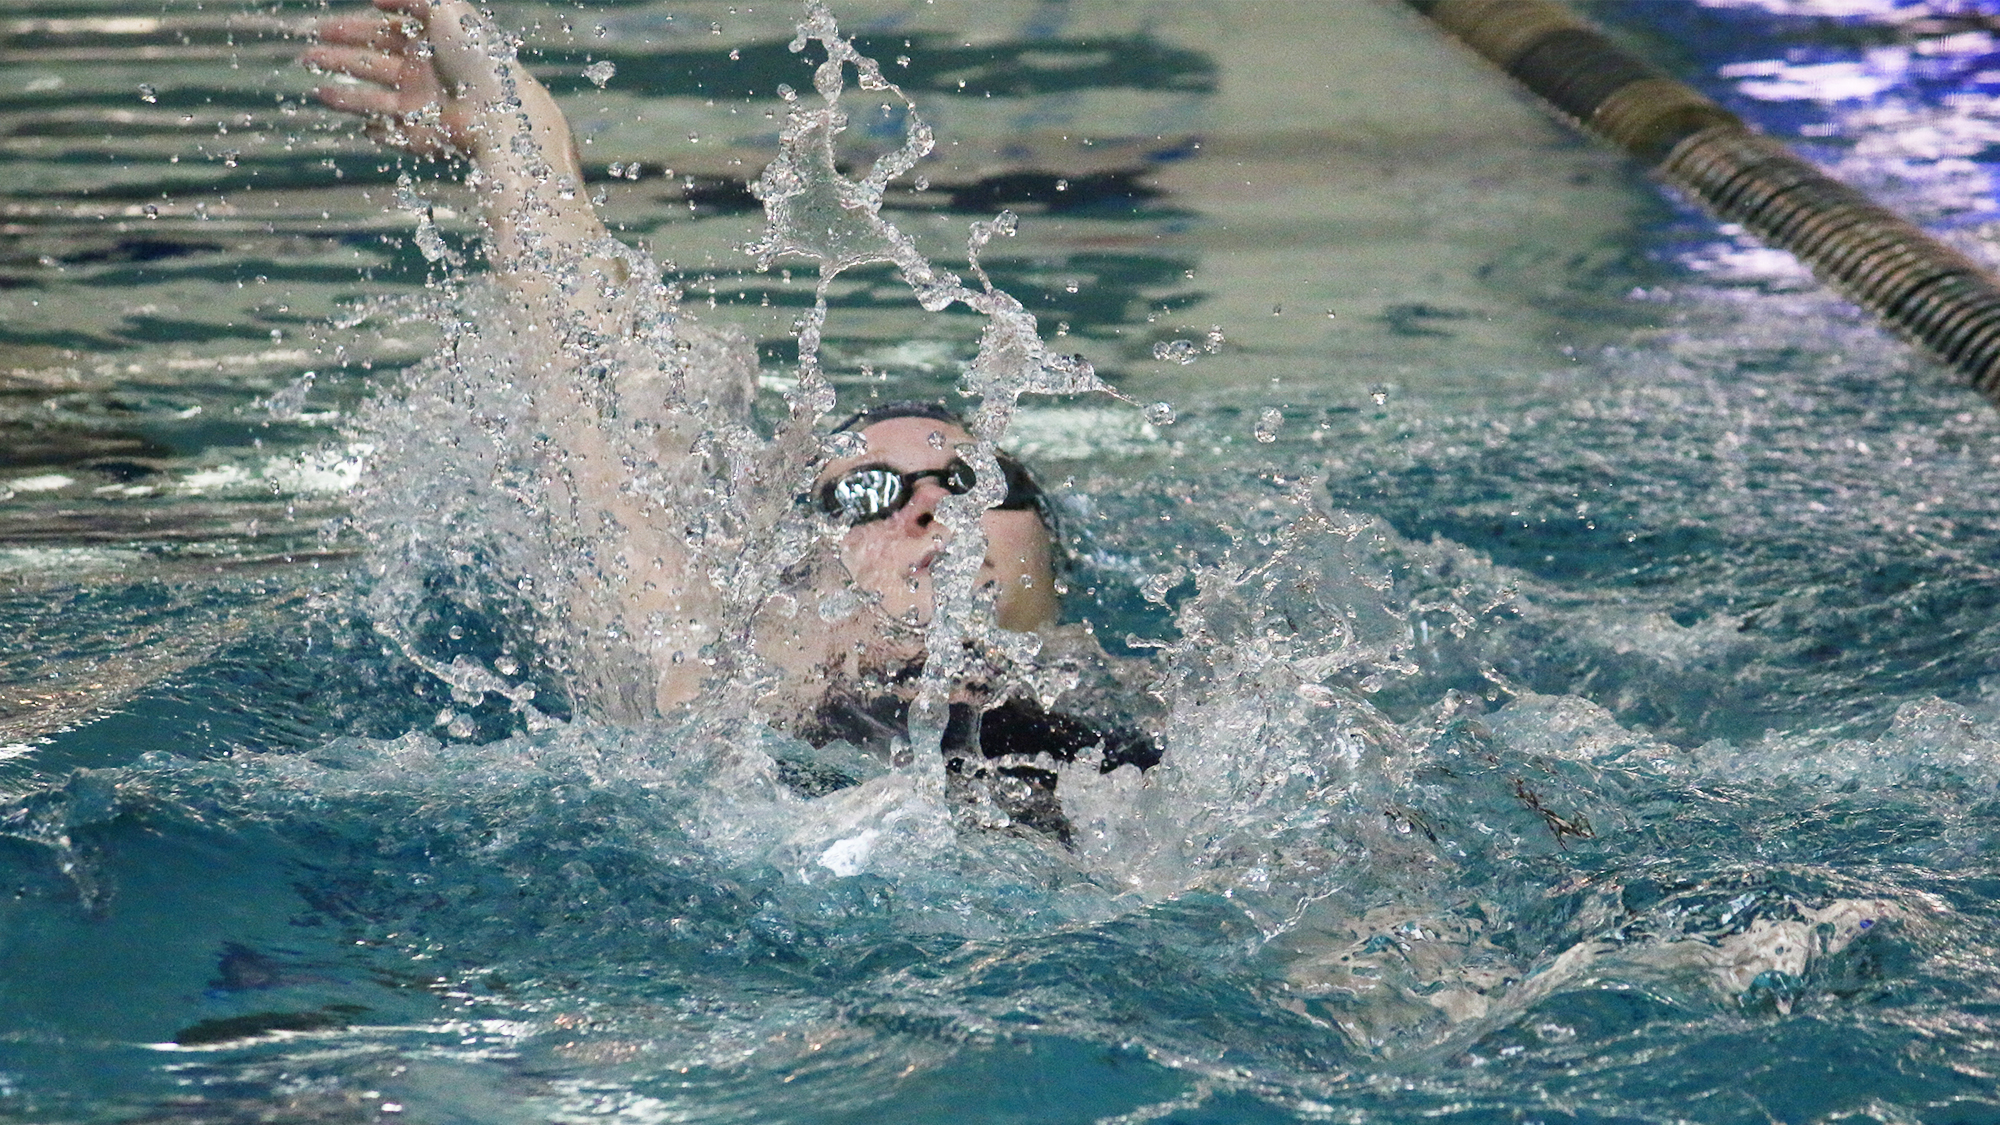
x: 1016, y: 729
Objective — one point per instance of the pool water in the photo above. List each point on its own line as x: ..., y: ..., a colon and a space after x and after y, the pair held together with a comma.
x: 1572, y: 627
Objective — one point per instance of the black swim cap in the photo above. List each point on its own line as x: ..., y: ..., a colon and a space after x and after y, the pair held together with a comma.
x: 903, y: 408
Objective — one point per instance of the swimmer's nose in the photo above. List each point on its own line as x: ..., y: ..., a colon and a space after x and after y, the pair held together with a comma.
x: 919, y: 516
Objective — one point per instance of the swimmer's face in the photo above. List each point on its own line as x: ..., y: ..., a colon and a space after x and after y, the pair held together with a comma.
x: 892, y: 556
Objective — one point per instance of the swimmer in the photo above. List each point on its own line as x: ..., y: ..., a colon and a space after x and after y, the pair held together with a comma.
x: 434, y: 78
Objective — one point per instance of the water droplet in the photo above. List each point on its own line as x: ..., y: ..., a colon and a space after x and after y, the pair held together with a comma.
x: 838, y: 605
x: 936, y: 439
x: 600, y: 72
x: 735, y: 55
x: 1160, y: 414
x: 1182, y: 352
x: 847, y: 443
x: 148, y: 94
x: 786, y: 92
x: 1154, y: 589
x: 290, y: 402
x: 1277, y: 310
x: 429, y: 242
x: 1212, y: 343
x: 902, y: 60
x: 1379, y: 393
x: 152, y: 211
x: 1071, y: 286
x: 456, y: 632
x: 507, y: 665
x: 1062, y: 185
x: 1267, y: 425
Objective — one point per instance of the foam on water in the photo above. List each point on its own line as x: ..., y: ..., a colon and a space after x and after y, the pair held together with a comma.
x: 598, y: 911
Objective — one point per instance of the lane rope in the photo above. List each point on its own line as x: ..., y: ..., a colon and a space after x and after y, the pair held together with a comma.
x: 1934, y: 296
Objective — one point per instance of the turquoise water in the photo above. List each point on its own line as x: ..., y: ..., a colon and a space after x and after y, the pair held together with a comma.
x: 1577, y: 710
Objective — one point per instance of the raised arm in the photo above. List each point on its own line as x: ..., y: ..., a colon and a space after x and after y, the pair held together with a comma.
x: 437, y: 78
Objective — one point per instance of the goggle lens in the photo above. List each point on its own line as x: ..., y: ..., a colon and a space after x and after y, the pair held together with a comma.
x: 877, y: 492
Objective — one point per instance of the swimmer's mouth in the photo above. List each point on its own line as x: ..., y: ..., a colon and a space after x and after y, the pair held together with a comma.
x: 923, y: 565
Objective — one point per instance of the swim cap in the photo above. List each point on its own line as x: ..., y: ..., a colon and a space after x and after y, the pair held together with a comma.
x: 903, y: 408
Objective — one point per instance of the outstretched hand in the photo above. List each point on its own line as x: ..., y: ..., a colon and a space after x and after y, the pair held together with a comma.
x: 428, y: 71
x: 437, y: 78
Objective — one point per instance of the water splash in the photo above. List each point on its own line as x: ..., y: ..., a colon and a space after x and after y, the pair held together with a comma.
x: 1534, y: 900
x: 815, y: 212
x: 1284, y: 786
x: 1269, y: 421
x: 475, y: 506
x: 1277, y: 764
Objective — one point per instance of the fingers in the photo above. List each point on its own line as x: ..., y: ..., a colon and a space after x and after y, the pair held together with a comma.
x: 367, y: 101
x: 408, y: 55
x: 366, y: 29
x: 390, y: 134
x: 419, y: 16
x: 419, y: 10
x: 356, y: 62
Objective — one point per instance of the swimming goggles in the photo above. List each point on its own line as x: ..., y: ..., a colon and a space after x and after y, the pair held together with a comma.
x: 874, y: 492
